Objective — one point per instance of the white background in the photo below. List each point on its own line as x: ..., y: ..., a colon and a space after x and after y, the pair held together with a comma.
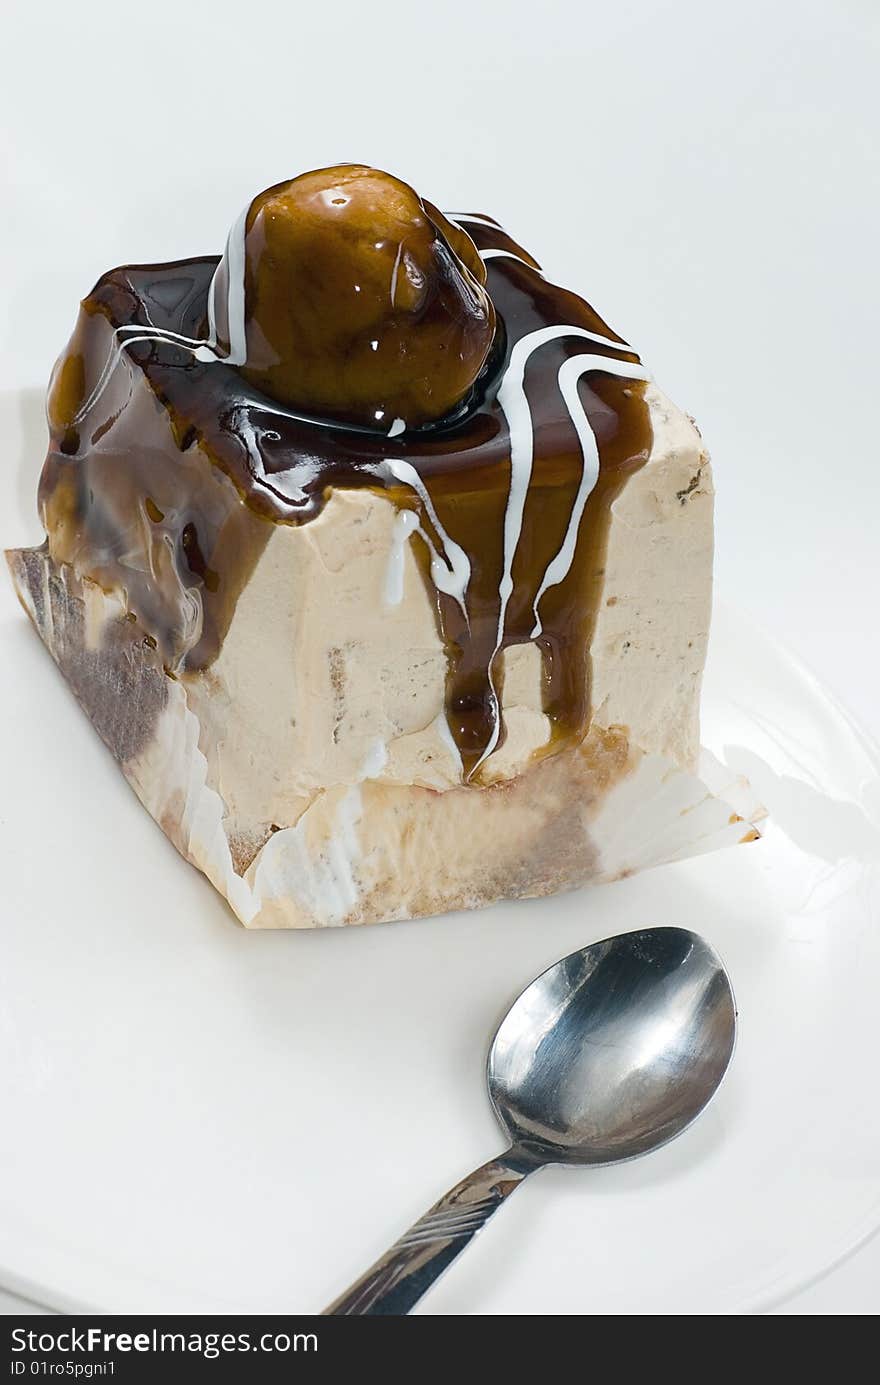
x: 706, y: 175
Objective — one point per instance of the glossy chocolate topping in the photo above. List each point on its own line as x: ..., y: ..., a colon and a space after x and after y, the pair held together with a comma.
x: 168, y: 467
x: 363, y: 304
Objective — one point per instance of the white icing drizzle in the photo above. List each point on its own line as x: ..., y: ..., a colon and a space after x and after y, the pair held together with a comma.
x: 406, y: 522
x: 513, y: 401
x: 508, y: 255
x: 452, y: 575
x: 570, y: 373
x: 234, y: 258
x: 494, y: 252
x: 475, y: 218
x: 116, y: 352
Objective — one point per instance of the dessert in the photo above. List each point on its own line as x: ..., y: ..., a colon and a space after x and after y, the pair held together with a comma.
x: 379, y: 563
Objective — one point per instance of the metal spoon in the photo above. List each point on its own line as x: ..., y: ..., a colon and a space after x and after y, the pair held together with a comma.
x: 608, y: 1054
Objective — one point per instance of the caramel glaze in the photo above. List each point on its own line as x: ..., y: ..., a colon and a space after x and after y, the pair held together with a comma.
x: 362, y: 302
x: 134, y: 505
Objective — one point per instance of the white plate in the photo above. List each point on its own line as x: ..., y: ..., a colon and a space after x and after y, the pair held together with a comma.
x: 202, y: 1119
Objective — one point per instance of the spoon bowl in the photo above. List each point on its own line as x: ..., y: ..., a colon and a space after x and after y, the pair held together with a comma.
x: 608, y: 1054
x: 614, y: 1050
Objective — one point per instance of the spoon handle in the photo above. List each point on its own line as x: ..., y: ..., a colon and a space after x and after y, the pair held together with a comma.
x: 395, y: 1283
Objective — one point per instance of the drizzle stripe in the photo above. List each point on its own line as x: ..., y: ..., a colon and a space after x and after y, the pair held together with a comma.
x: 570, y: 373
x: 451, y: 577
x: 507, y: 255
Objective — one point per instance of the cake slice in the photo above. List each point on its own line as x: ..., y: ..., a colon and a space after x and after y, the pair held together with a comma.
x: 379, y: 563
